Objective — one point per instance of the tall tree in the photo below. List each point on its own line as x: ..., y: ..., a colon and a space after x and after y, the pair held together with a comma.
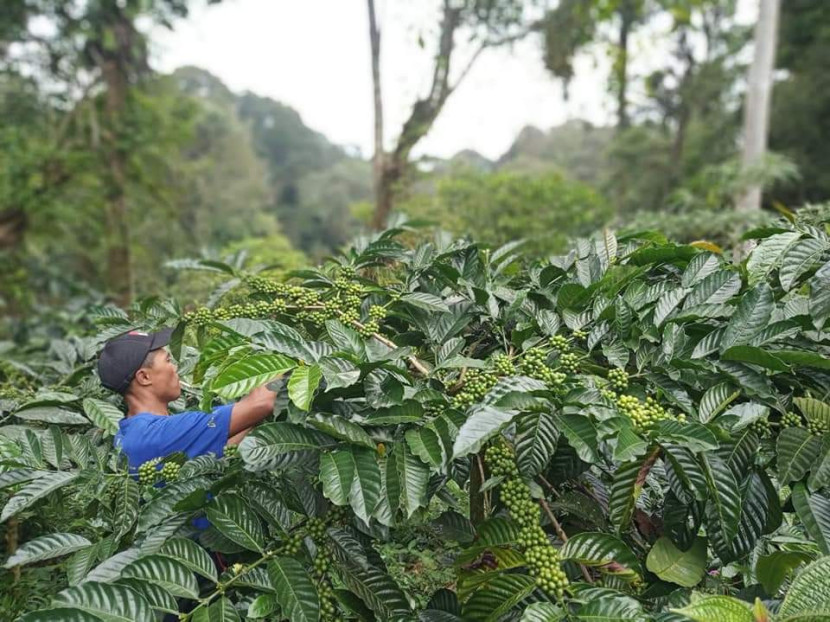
x: 93, y: 52
x: 758, y: 97
x: 488, y: 23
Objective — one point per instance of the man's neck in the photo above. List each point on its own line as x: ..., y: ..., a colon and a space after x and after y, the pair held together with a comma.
x: 146, y: 404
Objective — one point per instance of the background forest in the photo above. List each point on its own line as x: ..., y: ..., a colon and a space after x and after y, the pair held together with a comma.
x: 586, y: 379
x: 102, y: 159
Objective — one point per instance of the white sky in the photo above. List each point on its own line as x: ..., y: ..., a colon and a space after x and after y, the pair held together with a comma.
x: 314, y: 56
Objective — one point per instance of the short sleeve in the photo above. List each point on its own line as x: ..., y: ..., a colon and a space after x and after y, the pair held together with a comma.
x: 195, y: 433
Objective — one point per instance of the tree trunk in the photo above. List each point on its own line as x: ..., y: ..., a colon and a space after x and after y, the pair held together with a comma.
x: 119, y: 269
x: 627, y: 17
x: 758, y: 96
x: 383, y: 199
x: 420, y: 120
x: 13, y: 223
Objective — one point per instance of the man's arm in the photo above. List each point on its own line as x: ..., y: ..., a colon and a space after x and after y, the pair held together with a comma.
x: 237, y: 438
x: 250, y: 410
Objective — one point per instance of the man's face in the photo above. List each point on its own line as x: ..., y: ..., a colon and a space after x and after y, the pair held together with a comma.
x: 164, y: 376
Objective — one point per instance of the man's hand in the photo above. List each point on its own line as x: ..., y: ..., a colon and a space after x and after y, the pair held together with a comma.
x: 250, y: 410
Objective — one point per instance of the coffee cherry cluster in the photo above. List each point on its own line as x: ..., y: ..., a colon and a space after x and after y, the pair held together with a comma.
x: 542, y: 559
x: 476, y: 386
x: 231, y: 451
x: 559, y: 342
x: 328, y: 604
x: 291, y: 546
x: 147, y: 472
x: 761, y: 427
x: 200, y: 317
x: 348, y: 272
x: 646, y: 414
x: 569, y: 362
x: 367, y: 329
x: 618, y: 378
x: 534, y: 364
x: 377, y: 313
x: 262, y: 285
x: 579, y: 334
x: 816, y: 427
x: 170, y: 471
x: 502, y: 364
x: 608, y: 394
x: 791, y: 420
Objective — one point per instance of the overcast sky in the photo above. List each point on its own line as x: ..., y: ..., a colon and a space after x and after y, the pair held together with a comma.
x: 314, y: 56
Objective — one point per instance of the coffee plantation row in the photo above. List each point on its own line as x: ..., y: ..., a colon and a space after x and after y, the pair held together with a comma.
x: 637, y: 430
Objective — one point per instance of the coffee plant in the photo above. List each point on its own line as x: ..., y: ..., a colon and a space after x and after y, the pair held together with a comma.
x: 637, y: 430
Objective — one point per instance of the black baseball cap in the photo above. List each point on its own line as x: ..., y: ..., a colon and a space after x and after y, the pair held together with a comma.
x: 123, y: 356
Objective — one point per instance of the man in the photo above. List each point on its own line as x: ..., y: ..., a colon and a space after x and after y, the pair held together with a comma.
x: 138, y: 366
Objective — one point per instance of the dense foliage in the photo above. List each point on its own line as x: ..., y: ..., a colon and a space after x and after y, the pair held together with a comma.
x: 634, y: 430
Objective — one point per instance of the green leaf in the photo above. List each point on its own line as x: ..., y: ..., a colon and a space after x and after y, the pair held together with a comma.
x: 236, y: 521
x: 110, y: 603
x: 774, y: 568
x: 609, y: 553
x: 610, y: 609
x: 296, y: 593
x: 543, y: 612
x: 801, y: 358
x: 47, y: 547
x: 263, y: 606
x: 221, y: 610
x: 52, y: 414
x: 667, y: 304
x: 173, y: 576
x: 377, y: 589
x: 427, y: 302
x: 64, y: 615
x: 675, y: 566
x: 498, y: 596
x: 717, y: 609
x: 699, y: 268
x: 281, y: 442
x: 341, y: 429
x: 339, y: 373
x: 302, y: 385
x: 626, y: 486
x: 629, y: 445
x: 425, y: 443
x: 800, y: 258
x: 413, y: 476
x: 814, y: 512
x: 483, y: 424
x: 191, y: 555
x: 581, y: 435
x: 36, y: 490
x: 767, y: 254
x: 536, y: 437
x: 820, y: 471
x: 808, y: 598
x: 253, y: 371
x: 364, y: 494
x: 751, y: 317
x: 103, y: 414
x: 715, y: 400
x: 336, y: 475
x: 756, y: 356
x: 688, y: 479
x: 125, y: 505
x: 715, y: 289
x: 814, y: 410
x: 797, y: 451
x: 724, y: 494
x: 345, y: 338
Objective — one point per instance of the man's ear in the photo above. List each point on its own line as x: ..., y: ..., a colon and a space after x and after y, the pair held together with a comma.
x: 142, y: 377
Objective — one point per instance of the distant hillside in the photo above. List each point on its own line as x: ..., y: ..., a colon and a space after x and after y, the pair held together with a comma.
x: 575, y: 148
x: 292, y: 153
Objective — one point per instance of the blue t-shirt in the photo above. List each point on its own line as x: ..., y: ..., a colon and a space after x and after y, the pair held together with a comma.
x: 144, y: 436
